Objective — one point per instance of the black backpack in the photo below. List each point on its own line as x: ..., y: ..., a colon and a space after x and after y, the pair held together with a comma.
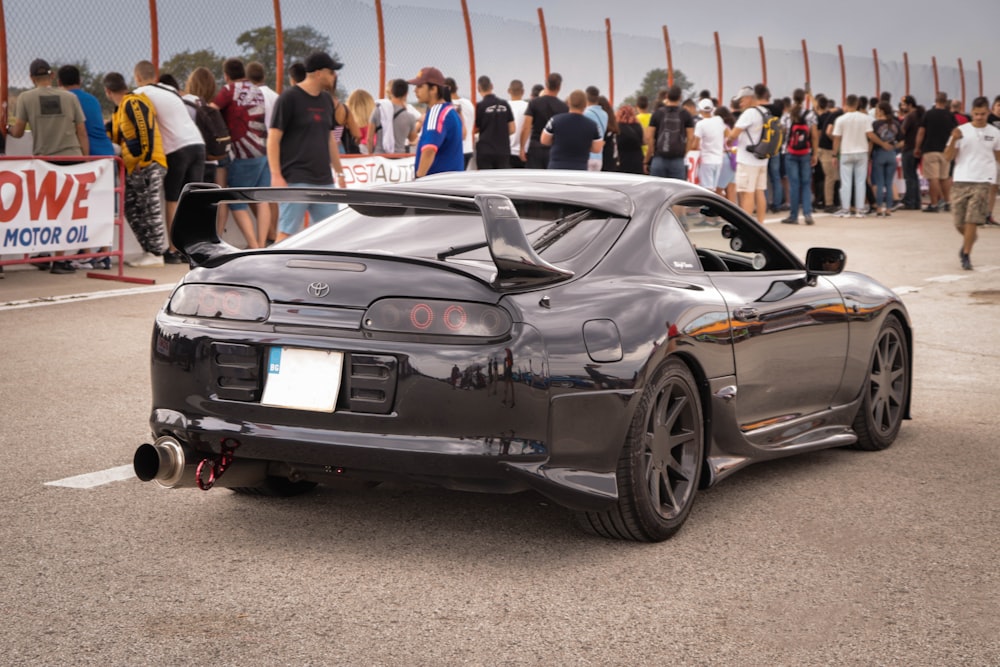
x: 214, y: 130
x: 771, y: 136
x: 671, y: 136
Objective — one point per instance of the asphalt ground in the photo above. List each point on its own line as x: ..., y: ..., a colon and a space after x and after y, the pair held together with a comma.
x: 832, y: 558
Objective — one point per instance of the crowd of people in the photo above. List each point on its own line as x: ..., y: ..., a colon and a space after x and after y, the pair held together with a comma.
x: 163, y: 130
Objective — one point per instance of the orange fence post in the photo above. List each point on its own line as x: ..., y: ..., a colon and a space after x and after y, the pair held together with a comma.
x: 154, y: 36
x: 937, y: 83
x: 961, y: 76
x: 906, y: 70
x: 381, y: 46
x: 843, y: 75
x: 611, y: 64
x: 763, y: 60
x: 670, y: 57
x: 805, y: 59
x: 545, y: 41
x: 878, y: 76
x: 472, y: 52
x: 279, y: 49
x: 4, y: 101
x: 718, y: 60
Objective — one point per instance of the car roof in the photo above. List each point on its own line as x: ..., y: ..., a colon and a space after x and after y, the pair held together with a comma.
x: 610, y: 192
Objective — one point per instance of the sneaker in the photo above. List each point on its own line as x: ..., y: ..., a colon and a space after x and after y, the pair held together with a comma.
x: 990, y: 222
x: 843, y: 213
x: 790, y: 221
x: 966, y: 262
x: 859, y: 214
x: 930, y: 208
x: 102, y: 263
x: 946, y: 207
x: 173, y: 257
x: 809, y: 220
x: 146, y: 260
x: 43, y: 266
x: 831, y: 209
x: 897, y: 205
x: 62, y: 268
x: 83, y: 264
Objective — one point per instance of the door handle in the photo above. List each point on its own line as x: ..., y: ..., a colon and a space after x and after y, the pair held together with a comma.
x: 746, y: 314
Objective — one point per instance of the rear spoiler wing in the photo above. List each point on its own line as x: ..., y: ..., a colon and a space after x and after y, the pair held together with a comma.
x: 194, y: 230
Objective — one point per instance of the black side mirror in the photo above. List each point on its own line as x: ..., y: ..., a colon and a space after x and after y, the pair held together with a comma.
x: 825, y: 261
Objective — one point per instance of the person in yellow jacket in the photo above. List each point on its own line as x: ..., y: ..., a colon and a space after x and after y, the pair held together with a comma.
x: 134, y: 129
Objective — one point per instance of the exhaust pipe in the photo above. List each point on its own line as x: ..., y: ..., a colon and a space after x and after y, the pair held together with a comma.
x: 172, y: 465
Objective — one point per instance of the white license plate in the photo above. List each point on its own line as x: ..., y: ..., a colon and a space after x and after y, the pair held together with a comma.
x: 302, y: 379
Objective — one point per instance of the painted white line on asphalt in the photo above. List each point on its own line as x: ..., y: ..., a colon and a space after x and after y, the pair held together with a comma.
x: 90, y: 480
x: 86, y: 296
x: 946, y: 279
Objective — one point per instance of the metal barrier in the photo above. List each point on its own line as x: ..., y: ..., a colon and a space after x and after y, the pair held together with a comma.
x: 30, y: 192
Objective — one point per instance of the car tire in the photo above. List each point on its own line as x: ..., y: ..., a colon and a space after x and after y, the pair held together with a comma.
x: 886, y: 389
x: 277, y: 487
x: 660, y: 464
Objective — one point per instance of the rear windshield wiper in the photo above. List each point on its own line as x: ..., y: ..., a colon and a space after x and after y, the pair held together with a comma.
x: 560, y: 228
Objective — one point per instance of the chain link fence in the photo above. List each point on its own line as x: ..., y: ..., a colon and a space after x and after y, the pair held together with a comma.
x: 112, y: 35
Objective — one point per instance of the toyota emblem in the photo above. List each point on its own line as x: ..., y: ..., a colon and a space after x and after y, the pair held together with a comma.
x: 319, y: 290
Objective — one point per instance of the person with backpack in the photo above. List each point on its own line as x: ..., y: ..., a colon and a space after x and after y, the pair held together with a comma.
x: 391, y: 127
x: 800, y: 158
x: 670, y: 132
x: 242, y: 107
x: 756, y: 132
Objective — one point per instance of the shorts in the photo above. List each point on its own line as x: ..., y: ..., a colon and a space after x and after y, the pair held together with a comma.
x: 750, y: 178
x: 934, y: 166
x: 727, y: 175
x: 185, y: 165
x: 292, y: 215
x: 970, y: 203
x: 248, y: 173
x: 708, y: 175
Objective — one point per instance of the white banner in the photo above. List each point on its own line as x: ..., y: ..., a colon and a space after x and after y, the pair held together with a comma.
x: 377, y: 169
x: 46, y: 206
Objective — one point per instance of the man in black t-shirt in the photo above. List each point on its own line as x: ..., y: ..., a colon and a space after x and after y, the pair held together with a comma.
x: 540, y: 110
x: 932, y: 137
x: 828, y: 114
x: 909, y: 127
x: 572, y: 136
x: 494, y: 125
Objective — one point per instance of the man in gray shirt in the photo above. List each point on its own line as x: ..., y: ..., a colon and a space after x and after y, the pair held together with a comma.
x: 391, y: 126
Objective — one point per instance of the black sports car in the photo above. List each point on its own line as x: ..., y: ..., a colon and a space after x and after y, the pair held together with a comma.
x: 513, y: 330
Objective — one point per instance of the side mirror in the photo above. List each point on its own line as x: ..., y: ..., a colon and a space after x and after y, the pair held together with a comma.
x: 825, y: 261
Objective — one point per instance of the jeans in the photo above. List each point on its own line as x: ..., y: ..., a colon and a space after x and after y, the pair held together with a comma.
x: 853, y: 170
x: 799, y: 169
x: 911, y: 199
x: 775, y: 191
x: 883, y: 172
x: 668, y: 167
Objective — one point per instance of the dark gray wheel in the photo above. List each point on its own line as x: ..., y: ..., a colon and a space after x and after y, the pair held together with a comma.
x: 886, y: 390
x: 277, y: 487
x: 661, y: 461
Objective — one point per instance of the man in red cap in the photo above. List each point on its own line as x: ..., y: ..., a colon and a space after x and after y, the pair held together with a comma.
x: 440, y: 146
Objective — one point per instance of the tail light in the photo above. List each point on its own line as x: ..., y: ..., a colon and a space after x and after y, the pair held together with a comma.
x: 220, y: 301
x: 438, y: 318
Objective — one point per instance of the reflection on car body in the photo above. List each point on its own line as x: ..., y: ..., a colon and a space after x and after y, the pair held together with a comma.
x: 516, y: 330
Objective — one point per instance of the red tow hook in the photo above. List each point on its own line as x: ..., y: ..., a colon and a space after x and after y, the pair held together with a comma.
x: 215, y: 466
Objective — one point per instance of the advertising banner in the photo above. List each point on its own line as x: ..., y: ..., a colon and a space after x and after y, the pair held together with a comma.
x: 46, y: 206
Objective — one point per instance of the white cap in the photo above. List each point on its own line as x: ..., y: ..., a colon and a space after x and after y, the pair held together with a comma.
x: 705, y: 105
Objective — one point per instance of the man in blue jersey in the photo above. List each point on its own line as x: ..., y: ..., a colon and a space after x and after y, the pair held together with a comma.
x: 440, y: 146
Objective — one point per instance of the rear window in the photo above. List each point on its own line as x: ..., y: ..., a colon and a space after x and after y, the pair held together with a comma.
x: 561, y: 234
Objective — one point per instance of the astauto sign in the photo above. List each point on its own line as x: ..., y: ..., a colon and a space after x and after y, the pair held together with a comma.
x: 46, y: 206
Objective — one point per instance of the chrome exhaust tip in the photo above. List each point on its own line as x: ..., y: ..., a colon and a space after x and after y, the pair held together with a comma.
x: 162, y: 462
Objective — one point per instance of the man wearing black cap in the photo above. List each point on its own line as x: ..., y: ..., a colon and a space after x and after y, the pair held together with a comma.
x: 58, y: 126
x: 301, y: 146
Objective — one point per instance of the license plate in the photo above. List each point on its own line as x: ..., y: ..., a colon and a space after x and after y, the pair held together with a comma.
x: 303, y: 379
